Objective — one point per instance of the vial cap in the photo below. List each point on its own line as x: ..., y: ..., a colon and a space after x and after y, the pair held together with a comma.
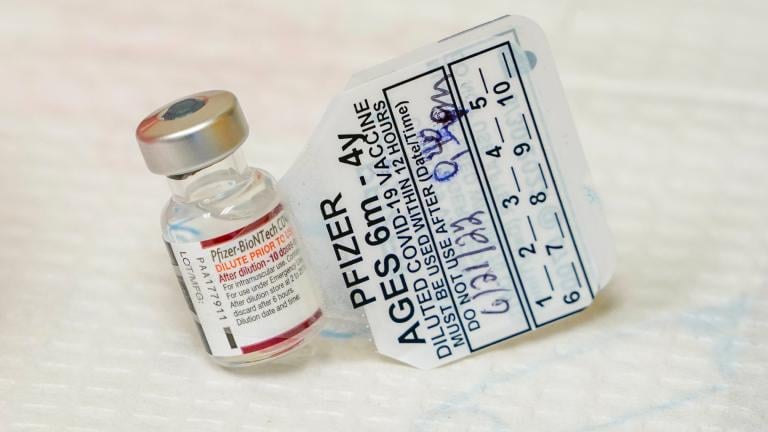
x: 192, y: 133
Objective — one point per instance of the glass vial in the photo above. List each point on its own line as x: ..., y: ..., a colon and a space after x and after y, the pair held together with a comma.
x: 235, y: 252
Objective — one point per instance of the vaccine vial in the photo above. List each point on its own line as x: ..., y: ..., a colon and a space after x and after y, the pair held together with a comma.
x: 230, y: 239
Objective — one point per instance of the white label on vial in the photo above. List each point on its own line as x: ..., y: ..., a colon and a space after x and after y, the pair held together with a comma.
x: 248, y: 287
x: 455, y: 204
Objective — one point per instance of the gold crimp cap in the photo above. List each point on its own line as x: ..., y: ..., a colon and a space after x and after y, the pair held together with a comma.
x: 192, y: 133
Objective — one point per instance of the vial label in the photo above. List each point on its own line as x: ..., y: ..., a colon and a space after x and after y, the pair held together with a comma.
x: 249, y: 288
x: 460, y: 212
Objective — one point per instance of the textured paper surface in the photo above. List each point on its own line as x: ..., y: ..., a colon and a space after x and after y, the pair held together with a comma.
x: 670, y: 100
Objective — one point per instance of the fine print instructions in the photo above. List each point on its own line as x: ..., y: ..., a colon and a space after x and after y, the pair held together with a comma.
x: 245, y: 286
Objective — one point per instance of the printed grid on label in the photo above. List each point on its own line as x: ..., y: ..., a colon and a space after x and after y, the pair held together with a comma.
x: 563, y: 272
x: 556, y: 288
x: 466, y: 186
